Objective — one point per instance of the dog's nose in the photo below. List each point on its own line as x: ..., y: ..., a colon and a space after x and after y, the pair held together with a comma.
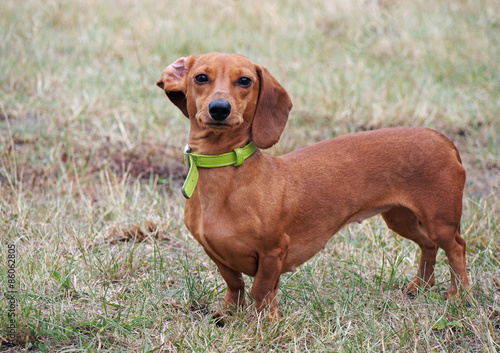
x: 219, y: 110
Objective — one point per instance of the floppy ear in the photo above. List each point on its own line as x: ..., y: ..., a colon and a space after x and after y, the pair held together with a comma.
x: 271, y: 113
x: 172, y: 81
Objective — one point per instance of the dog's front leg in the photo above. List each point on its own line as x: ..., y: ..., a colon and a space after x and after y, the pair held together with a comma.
x: 265, y: 285
x: 235, y: 295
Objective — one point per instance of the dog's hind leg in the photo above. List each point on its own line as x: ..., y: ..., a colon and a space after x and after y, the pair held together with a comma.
x: 447, y: 237
x: 404, y: 222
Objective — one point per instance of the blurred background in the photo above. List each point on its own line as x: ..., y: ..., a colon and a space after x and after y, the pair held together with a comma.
x: 77, y: 77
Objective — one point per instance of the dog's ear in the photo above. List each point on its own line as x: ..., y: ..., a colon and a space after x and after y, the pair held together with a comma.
x: 271, y: 113
x: 172, y: 81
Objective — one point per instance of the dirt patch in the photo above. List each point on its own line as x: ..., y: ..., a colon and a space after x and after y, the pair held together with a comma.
x: 480, y: 163
x: 482, y: 181
x: 83, y: 164
x: 148, y: 159
x: 136, y: 233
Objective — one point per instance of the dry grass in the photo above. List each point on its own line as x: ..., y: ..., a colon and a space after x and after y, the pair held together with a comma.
x: 90, y: 171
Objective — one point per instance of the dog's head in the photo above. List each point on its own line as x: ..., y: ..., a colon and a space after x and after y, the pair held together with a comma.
x: 225, y: 92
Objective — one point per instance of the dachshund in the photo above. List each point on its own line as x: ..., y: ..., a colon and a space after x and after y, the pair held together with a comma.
x: 264, y: 215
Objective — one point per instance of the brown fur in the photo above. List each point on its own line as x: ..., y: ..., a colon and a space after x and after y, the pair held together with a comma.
x: 272, y: 214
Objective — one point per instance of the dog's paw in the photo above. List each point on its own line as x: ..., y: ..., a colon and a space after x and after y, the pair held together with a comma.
x: 410, y: 290
x: 217, y: 319
x: 410, y: 295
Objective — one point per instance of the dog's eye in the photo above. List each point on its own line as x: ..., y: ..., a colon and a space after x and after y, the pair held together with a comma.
x: 244, y: 81
x: 201, y: 79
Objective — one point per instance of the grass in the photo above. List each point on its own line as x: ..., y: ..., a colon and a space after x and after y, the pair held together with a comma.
x: 91, y: 167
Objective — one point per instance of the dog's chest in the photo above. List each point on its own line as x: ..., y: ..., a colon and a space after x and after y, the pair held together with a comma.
x: 220, y: 239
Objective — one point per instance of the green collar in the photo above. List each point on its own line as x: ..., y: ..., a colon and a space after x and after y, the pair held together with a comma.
x: 194, y: 160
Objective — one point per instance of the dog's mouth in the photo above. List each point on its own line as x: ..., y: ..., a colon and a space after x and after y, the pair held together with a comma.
x: 220, y: 126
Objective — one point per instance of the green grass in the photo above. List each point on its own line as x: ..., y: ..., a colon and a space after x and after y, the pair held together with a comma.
x: 91, y: 167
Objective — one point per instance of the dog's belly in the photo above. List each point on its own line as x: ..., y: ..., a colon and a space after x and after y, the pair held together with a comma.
x: 312, y: 237
x: 360, y: 216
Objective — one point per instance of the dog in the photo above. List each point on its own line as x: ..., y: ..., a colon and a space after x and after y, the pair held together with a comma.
x: 264, y: 215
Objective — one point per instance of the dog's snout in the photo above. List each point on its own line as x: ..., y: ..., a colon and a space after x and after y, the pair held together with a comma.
x: 219, y: 110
